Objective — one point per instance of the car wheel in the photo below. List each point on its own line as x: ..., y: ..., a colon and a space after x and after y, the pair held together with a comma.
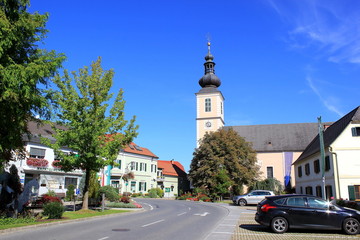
x: 351, y: 226
x: 279, y: 225
x: 242, y: 202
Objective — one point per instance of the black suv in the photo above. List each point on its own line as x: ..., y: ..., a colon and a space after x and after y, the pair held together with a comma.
x: 305, y: 211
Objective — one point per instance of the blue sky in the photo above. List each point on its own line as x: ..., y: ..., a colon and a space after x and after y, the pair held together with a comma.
x: 279, y: 61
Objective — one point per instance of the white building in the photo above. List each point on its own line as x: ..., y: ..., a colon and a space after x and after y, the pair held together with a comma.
x: 138, y: 160
x: 342, y: 161
x: 38, y: 163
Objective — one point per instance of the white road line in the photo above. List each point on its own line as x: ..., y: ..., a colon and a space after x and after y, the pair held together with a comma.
x: 103, y: 238
x: 181, y: 213
x: 151, y: 207
x: 146, y: 225
x: 189, y: 208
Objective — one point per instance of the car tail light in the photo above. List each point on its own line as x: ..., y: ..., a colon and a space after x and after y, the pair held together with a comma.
x: 266, y: 207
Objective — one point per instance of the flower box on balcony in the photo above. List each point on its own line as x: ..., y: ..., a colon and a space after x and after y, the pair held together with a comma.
x: 37, y: 162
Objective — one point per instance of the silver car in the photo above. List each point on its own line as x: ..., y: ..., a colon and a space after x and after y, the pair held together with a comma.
x: 253, y: 197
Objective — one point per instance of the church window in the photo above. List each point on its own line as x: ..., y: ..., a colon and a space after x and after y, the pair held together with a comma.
x: 207, y: 105
x: 270, y: 172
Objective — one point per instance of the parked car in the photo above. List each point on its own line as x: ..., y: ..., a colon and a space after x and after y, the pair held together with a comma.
x: 253, y: 197
x: 284, y: 212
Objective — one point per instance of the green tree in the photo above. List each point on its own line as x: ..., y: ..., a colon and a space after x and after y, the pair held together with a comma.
x: 24, y: 73
x: 271, y: 184
x: 95, y: 133
x: 223, y: 152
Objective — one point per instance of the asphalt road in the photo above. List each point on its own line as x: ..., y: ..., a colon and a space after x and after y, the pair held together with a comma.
x: 163, y: 219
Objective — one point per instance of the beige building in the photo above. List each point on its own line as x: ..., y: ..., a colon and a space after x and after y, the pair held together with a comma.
x: 340, y: 168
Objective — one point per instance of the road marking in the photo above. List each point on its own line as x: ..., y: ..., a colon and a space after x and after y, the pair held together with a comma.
x: 181, y: 213
x: 203, y: 215
x: 146, y: 225
x: 103, y: 238
x: 151, y: 207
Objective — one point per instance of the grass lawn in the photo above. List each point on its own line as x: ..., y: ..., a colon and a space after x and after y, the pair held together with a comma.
x: 66, y: 216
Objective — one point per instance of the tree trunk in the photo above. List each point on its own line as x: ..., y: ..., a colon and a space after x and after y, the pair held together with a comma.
x: 85, y: 204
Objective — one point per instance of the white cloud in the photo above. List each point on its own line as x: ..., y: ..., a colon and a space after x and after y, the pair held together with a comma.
x: 328, y: 101
x: 331, y: 26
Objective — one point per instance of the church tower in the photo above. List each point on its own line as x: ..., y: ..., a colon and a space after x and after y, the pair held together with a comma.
x: 209, y: 101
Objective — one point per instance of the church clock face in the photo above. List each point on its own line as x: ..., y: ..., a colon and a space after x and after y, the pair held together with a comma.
x: 208, y: 124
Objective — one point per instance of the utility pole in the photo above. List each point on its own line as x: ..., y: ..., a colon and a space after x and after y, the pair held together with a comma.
x: 322, y: 155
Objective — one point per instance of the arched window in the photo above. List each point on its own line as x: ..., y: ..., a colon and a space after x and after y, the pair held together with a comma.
x: 207, y: 105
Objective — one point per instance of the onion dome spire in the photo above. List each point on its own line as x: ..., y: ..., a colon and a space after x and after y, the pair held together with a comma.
x: 209, y: 79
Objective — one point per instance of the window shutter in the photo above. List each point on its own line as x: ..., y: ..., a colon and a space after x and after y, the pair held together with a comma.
x: 351, y: 189
x: 145, y: 187
x: 145, y: 167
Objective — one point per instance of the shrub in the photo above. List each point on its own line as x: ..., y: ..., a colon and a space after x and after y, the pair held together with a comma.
x: 120, y: 205
x: 125, y: 199
x: 54, y: 210
x: 184, y: 196
x: 70, y: 192
x: 111, y: 193
x: 136, y: 195
x: 152, y: 193
x: 160, y: 192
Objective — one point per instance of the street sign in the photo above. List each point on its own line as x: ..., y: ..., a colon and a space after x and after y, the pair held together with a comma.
x: 167, y: 189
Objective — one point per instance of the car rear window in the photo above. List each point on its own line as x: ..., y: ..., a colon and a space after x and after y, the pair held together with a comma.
x: 280, y: 201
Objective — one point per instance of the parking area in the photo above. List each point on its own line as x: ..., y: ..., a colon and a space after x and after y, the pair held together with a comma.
x: 248, y: 228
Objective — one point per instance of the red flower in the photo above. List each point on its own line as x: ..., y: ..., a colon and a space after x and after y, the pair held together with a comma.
x: 37, y: 162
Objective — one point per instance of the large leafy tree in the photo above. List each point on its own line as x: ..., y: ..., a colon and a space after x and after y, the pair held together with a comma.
x: 221, y: 153
x: 93, y: 132
x: 23, y: 69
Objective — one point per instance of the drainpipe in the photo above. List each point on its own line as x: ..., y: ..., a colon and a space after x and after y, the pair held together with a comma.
x: 336, y: 173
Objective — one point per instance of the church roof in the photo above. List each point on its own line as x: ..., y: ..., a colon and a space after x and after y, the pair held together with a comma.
x: 291, y: 137
x: 331, y: 133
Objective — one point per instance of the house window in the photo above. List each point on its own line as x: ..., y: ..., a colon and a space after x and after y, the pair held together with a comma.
x: 318, y: 191
x: 142, y: 186
x: 270, y: 172
x: 299, y: 171
x: 308, y: 190
x: 307, y: 169
x: 133, y: 186
x: 317, y: 166
x: 143, y: 167
x: 221, y: 107
x: 328, y: 191
x: 301, y: 190
x: 327, y: 163
x: 207, y: 105
x: 115, y: 181
x: 69, y: 180
x: 37, y: 152
x: 355, y: 131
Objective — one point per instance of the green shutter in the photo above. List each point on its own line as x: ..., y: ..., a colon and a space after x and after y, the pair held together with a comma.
x: 351, y: 192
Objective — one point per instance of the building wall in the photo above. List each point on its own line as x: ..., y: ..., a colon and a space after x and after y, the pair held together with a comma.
x: 170, y: 186
x: 144, y: 176
x: 346, y: 159
x: 215, y: 116
x: 276, y: 160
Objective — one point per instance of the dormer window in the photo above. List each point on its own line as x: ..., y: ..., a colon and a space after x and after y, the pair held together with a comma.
x: 355, y: 131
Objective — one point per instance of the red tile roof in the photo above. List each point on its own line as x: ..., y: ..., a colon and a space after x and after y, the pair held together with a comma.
x: 133, y: 148
x: 172, y: 168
